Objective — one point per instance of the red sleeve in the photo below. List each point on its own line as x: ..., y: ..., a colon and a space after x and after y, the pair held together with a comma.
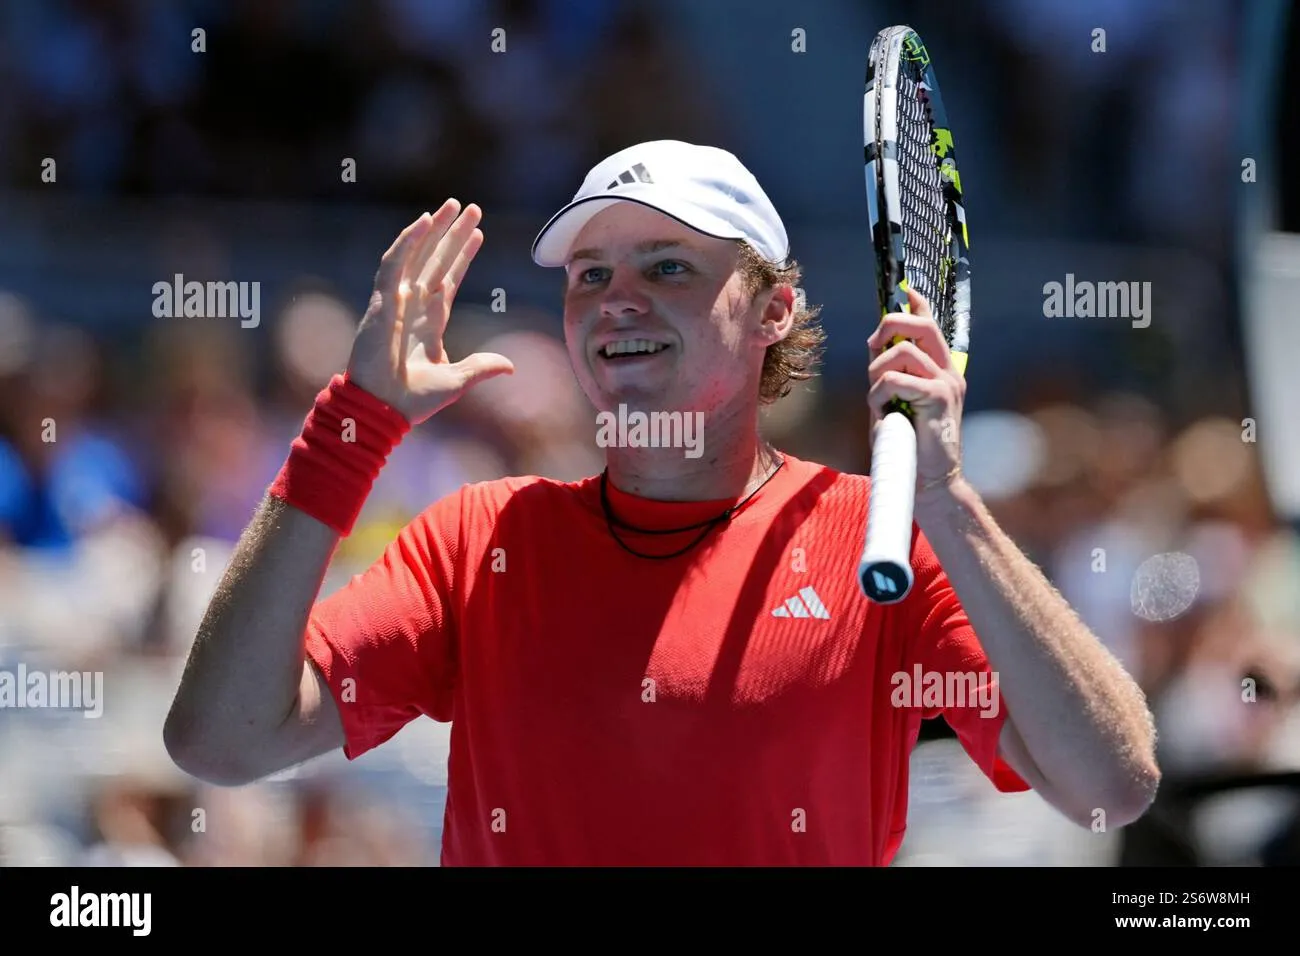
x: 945, y: 645
x: 385, y: 641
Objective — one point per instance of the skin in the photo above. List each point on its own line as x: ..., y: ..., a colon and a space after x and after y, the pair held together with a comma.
x: 691, y: 297
x: 249, y: 704
x: 1078, y: 728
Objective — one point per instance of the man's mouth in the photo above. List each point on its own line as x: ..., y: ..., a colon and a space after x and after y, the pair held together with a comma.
x: 631, y: 350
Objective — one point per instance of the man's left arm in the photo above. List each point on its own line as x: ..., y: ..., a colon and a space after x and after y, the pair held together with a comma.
x: 1077, y: 729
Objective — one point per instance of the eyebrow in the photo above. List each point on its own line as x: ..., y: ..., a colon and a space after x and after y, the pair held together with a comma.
x: 654, y: 245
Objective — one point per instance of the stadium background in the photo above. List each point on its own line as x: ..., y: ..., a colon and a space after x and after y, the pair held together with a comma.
x: 226, y: 165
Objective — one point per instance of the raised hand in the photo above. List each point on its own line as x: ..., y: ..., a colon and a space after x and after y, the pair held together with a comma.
x: 397, y: 354
x: 911, y: 361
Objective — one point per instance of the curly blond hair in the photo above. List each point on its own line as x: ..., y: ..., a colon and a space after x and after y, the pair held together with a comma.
x: 794, y: 358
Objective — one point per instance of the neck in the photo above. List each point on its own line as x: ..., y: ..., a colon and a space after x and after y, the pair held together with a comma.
x: 734, y: 459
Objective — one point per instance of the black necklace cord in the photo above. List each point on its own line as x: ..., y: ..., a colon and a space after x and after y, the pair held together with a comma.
x: 611, y: 519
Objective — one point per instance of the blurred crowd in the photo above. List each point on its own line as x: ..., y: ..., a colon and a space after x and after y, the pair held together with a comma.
x: 128, y: 471
x: 272, y: 97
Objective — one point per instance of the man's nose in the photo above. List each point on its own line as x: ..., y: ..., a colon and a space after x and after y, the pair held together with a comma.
x: 625, y: 292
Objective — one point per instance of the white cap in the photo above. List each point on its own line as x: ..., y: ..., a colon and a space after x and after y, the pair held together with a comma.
x: 703, y: 187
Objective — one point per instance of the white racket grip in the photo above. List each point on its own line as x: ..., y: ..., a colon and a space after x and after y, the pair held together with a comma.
x: 885, y: 569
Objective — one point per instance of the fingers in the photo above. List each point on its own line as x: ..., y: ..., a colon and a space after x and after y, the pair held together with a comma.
x: 442, y: 220
x: 904, y: 357
x: 905, y: 372
x: 919, y: 329
x: 921, y: 393
x: 384, y: 314
x: 443, y: 252
x: 455, y: 274
x: 918, y: 303
x: 393, y: 262
x: 458, y: 268
x: 918, y: 326
x: 481, y: 366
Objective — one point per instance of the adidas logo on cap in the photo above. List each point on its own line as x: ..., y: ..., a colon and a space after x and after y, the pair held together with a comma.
x: 637, y: 173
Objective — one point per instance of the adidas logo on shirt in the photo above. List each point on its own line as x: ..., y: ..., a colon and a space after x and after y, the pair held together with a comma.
x: 804, y: 604
x: 637, y: 173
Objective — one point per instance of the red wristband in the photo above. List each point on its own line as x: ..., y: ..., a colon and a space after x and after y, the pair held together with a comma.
x: 334, y: 461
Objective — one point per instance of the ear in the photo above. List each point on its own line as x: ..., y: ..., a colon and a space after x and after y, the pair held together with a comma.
x: 778, y: 314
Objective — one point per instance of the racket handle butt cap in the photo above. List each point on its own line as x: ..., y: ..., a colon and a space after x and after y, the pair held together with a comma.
x: 884, y: 581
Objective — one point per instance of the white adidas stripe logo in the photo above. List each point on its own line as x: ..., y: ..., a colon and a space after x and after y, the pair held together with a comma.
x: 804, y: 604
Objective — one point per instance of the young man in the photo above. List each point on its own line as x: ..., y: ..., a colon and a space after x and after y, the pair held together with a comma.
x: 669, y: 663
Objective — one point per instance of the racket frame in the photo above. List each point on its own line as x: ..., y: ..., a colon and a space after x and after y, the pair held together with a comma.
x: 884, y: 568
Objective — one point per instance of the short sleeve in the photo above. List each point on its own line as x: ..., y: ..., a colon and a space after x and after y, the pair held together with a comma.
x: 949, y: 655
x: 385, y: 642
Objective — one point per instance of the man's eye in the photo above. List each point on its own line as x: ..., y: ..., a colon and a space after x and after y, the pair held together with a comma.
x: 674, y: 266
x: 594, y: 274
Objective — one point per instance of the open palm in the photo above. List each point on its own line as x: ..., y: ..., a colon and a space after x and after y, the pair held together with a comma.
x: 398, y: 354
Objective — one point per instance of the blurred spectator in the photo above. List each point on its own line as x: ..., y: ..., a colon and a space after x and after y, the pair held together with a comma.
x: 207, y: 425
x: 63, y: 474
x: 129, y: 828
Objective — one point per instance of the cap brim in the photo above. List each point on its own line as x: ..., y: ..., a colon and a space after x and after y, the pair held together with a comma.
x: 553, y: 244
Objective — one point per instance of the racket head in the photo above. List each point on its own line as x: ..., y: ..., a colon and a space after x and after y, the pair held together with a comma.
x: 915, y: 203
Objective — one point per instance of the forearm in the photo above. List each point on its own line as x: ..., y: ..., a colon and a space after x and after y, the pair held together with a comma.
x: 1082, y: 719
x: 244, y: 670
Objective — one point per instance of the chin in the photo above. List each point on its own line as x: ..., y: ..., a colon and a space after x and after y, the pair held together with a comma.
x: 634, y: 401
x: 643, y: 396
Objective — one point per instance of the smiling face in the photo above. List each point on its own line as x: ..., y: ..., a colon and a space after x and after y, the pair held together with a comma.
x: 656, y: 316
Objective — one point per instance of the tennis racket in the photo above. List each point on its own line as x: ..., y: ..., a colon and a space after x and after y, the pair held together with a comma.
x: 918, y: 234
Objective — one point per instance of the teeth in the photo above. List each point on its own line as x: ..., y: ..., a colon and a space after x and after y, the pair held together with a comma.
x: 632, y: 347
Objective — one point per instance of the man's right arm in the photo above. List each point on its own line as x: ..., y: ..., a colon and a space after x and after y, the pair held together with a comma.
x: 250, y: 703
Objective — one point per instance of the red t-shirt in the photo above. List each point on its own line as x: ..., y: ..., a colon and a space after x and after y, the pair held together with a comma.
x: 736, y: 705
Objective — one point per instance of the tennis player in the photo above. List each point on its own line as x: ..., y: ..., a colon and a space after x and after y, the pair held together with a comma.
x: 669, y: 663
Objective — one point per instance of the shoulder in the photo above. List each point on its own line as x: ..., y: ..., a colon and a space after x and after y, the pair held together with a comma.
x: 484, y: 503
x: 522, y: 490
x: 827, y: 488
x: 842, y: 496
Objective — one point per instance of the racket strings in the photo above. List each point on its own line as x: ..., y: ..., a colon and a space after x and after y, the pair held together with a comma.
x: 926, y: 229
